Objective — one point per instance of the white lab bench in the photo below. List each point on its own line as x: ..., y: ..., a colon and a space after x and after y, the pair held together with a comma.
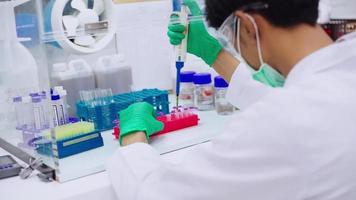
x: 97, y: 186
x: 93, y: 187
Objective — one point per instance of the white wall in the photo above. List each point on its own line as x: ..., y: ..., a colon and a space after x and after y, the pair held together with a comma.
x: 343, y: 9
x: 142, y: 38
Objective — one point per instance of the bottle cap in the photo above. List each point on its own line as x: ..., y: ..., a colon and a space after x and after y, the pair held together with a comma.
x: 187, y: 76
x: 202, y: 78
x: 55, y: 97
x: 220, y: 82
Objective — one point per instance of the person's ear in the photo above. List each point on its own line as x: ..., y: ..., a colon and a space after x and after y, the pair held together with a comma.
x: 246, y: 24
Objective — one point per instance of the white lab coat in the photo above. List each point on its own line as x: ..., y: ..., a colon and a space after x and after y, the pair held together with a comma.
x: 295, y: 143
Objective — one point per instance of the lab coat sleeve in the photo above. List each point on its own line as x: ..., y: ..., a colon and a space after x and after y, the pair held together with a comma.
x: 244, y: 90
x: 246, y: 162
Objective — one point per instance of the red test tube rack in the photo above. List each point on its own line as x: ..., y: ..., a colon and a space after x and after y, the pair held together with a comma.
x: 177, y: 120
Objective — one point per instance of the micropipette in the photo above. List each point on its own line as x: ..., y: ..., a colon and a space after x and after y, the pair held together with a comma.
x: 180, y: 11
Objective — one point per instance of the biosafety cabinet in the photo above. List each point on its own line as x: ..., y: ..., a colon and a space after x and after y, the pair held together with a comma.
x: 52, y: 54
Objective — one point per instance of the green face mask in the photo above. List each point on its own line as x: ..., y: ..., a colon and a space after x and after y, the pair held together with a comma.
x: 266, y: 74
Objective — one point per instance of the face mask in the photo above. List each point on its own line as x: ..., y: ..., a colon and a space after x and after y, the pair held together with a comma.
x: 266, y: 74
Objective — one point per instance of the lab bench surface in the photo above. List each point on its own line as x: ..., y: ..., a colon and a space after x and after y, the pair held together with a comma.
x: 93, y: 187
x: 97, y: 185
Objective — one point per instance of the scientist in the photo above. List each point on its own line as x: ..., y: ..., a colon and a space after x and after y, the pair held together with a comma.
x: 295, y: 138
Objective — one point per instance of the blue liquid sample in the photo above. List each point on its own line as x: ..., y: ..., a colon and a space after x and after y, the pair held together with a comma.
x: 106, y: 114
x: 177, y: 4
x: 92, y: 114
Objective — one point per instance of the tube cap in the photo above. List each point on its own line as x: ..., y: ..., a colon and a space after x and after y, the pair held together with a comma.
x: 187, y: 76
x: 202, y: 78
x: 219, y: 82
x: 36, y: 99
x: 17, y: 99
x: 34, y: 94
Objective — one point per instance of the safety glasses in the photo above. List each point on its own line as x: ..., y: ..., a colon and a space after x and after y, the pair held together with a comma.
x: 229, y: 28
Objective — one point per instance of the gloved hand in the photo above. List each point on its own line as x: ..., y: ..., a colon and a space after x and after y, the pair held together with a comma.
x: 200, y: 42
x: 139, y: 117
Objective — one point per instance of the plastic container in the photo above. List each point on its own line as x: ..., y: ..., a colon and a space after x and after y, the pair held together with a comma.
x: 113, y: 72
x: 187, y: 87
x: 75, y: 77
x: 203, y: 92
x: 222, y: 106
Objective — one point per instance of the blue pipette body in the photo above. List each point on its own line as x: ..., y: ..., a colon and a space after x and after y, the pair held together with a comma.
x: 179, y: 66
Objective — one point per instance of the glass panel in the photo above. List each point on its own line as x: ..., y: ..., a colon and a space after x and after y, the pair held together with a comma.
x: 62, y: 80
x: 80, y: 42
x: 24, y: 85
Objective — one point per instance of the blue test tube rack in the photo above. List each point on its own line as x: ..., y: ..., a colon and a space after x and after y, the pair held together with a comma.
x: 157, y: 98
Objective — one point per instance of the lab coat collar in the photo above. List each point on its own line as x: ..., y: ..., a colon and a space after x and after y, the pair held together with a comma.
x: 324, y: 59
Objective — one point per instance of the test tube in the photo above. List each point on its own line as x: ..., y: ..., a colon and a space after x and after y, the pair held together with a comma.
x: 106, y: 96
x: 186, y: 112
x: 27, y: 113
x: 169, y: 117
x: 38, y: 113
x: 58, y: 108
x: 161, y: 114
x: 88, y: 99
x: 18, y: 111
x: 174, y: 108
x: 193, y: 110
x: 63, y: 94
x: 43, y: 96
x: 174, y: 115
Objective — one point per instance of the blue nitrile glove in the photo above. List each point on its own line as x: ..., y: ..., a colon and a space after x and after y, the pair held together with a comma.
x: 200, y: 42
x: 139, y: 117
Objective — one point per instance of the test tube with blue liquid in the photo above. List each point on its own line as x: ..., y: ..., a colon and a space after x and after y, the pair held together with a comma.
x: 88, y: 98
x: 106, y: 99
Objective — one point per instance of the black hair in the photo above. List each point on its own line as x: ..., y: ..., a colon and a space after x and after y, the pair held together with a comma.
x: 281, y: 13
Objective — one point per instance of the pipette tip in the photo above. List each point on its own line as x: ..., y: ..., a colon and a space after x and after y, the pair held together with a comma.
x: 177, y: 101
